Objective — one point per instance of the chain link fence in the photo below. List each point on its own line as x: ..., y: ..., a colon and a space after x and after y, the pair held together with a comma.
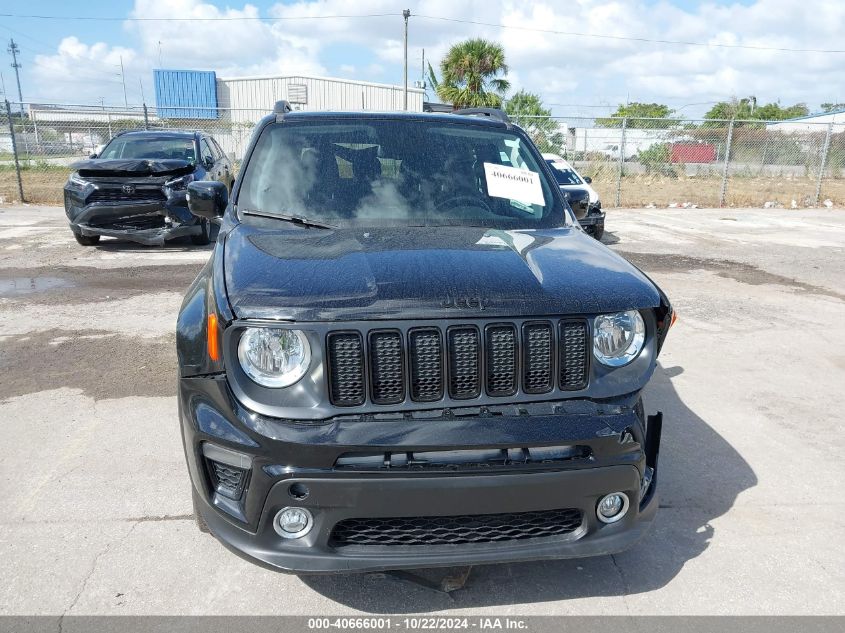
x: 701, y: 162
x: 39, y: 143
x: 632, y: 162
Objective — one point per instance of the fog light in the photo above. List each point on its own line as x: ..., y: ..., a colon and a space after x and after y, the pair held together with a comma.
x: 293, y: 522
x: 612, y: 507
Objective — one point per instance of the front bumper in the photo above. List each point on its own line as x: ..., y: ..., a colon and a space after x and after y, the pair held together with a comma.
x: 285, y: 458
x: 142, y: 222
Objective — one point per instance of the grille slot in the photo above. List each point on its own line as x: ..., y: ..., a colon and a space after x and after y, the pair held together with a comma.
x: 573, y: 355
x: 501, y: 360
x: 387, y: 375
x: 346, y: 369
x: 456, y: 530
x: 464, y: 369
x: 538, y: 358
x: 426, y: 365
x: 138, y: 194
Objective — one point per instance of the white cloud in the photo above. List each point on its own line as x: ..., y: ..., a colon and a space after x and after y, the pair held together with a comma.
x: 562, y: 68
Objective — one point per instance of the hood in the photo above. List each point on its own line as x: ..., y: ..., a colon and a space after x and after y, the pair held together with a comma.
x: 402, y: 273
x: 133, y: 167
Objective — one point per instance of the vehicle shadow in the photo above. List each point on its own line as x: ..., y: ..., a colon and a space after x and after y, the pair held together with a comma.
x: 178, y: 245
x: 700, y: 477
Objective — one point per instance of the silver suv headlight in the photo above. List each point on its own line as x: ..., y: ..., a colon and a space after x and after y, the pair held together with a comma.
x: 618, y: 338
x: 274, y: 357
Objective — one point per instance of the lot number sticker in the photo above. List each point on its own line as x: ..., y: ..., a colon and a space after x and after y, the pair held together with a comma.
x: 513, y: 184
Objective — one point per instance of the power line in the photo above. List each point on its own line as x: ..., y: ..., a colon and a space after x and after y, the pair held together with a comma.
x: 631, y: 39
x: 603, y: 36
x: 97, y: 18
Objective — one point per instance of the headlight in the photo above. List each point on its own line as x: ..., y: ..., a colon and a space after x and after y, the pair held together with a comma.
x: 177, y: 184
x: 618, y: 338
x: 274, y: 357
x: 76, y: 180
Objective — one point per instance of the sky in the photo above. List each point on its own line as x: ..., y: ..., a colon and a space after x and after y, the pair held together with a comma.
x: 78, y: 60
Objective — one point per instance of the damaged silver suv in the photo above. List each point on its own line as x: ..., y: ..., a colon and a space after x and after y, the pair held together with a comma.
x: 135, y: 188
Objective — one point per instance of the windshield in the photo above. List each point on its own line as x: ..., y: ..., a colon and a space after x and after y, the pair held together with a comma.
x: 564, y: 175
x: 404, y: 172
x: 151, y: 147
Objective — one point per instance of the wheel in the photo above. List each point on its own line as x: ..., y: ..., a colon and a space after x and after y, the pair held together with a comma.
x: 203, y: 238
x: 201, y: 524
x: 598, y: 231
x: 86, y: 240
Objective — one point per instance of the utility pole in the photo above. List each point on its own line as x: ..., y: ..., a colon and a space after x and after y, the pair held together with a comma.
x: 406, y: 14
x: 123, y: 79
x: 14, y: 50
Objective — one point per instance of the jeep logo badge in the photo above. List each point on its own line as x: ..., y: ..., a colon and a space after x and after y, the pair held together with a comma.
x: 465, y: 303
x: 128, y: 189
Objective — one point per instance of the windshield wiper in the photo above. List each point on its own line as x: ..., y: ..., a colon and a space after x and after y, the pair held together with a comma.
x: 295, y: 219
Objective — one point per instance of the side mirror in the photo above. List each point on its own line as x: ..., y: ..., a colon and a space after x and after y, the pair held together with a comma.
x: 208, y: 199
x: 92, y: 155
x: 588, y: 180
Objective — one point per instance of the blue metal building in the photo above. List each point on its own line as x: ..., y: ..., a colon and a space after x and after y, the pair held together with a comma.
x: 185, y: 94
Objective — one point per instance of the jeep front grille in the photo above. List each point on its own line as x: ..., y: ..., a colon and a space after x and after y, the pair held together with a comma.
x: 457, y: 363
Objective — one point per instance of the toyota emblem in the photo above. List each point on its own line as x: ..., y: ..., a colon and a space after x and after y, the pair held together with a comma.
x: 128, y: 189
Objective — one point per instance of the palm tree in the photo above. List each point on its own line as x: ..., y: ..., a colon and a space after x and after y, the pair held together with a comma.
x: 471, y: 74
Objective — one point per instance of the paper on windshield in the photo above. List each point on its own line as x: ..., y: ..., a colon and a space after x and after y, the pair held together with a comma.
x: 513, y: 184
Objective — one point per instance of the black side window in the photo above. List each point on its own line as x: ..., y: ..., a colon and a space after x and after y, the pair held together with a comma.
x: 207, y: 154
x: 216, y: 147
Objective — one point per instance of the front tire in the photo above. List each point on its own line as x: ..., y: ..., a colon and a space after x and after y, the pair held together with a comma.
x: 203, y: 238
x: 86, y: 240
x: 598, y: 231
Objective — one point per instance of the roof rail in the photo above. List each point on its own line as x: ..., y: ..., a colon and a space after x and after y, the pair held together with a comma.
x: 493, y: 113
x: 281, y: 108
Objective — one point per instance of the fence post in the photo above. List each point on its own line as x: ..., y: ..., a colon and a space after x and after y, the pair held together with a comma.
x: 146, y: 118
x: 823, y: 165
x: 621, y: 163
x: 108, y: 117
x: 14, y: 149
x: 723, y: 193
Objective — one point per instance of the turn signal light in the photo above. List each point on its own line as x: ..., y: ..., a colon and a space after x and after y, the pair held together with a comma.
x: 212, y: 338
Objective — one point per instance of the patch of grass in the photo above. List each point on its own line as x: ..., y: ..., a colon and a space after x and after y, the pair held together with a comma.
x: 40, y: 186
x: 661, y: 190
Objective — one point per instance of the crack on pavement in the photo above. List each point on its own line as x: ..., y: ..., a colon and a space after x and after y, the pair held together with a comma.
x: 738, y: 271
x: 626, y: 590
x: 163, y: 517
x: 91, y: 571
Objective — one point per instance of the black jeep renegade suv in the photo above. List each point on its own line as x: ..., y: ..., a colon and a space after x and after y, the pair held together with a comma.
x: 404, y: 352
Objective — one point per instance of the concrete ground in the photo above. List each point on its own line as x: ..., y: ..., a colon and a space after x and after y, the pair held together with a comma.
x: 97, y: 513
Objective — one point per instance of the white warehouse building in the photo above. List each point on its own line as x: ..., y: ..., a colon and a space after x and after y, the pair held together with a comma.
x: 243, y: 94
x: 811, y: 123
x: 230, y: 106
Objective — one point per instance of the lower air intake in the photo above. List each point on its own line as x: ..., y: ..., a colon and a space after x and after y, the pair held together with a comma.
x: 228, y: 480
x: 456, y: 530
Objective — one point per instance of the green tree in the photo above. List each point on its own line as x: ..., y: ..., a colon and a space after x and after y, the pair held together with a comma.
x: 473, y: 74
x: 746, y: 109
x: 527, y: 111
x: 833, y: 107
x: 640, y: 115
x: 433, y: 81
